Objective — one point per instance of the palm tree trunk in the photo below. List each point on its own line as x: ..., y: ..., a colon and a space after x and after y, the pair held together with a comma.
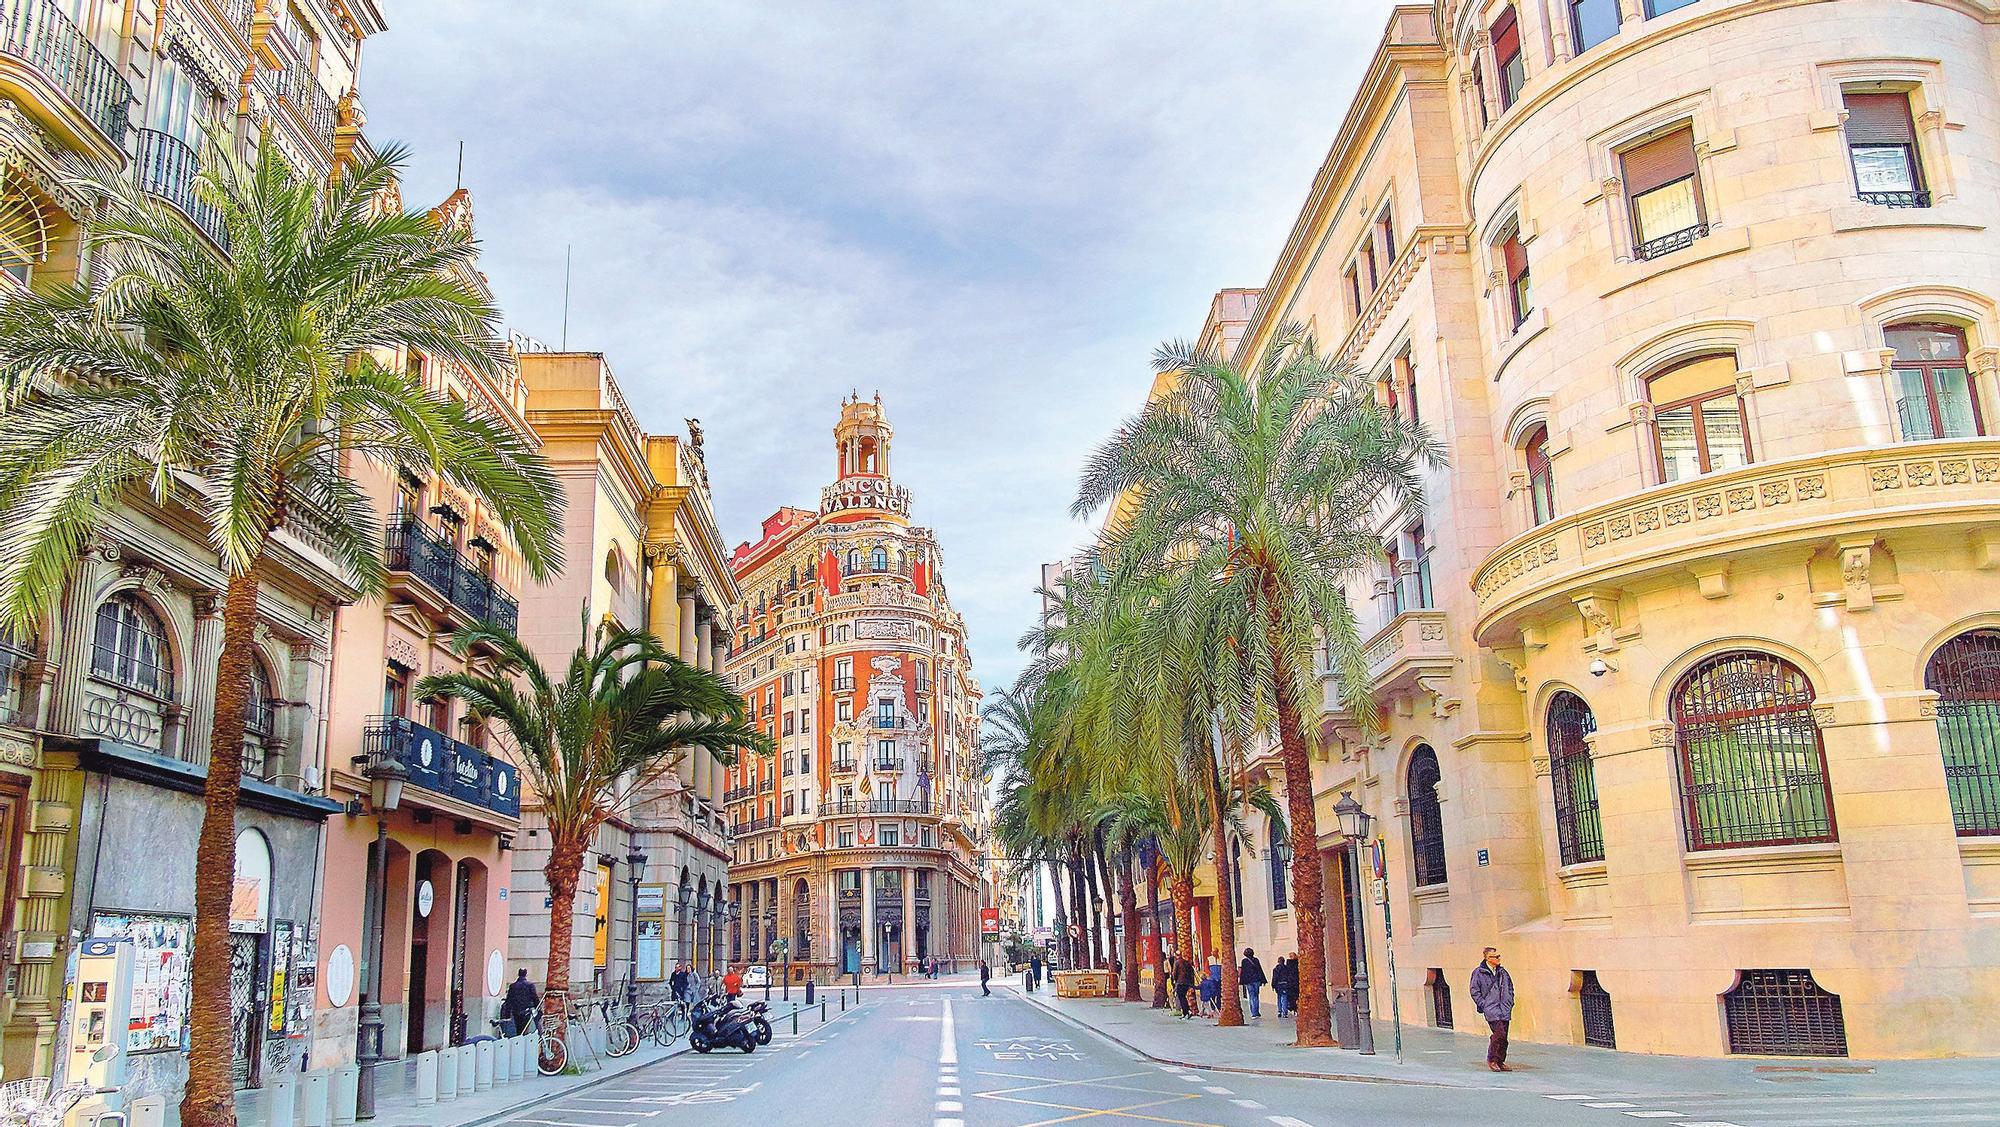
x: 1225, y: 903
x: 1153, y: 919
x: 564, y: 868
x: 1315, y: 1024
x: 1062, y: 917
x: 1181, y: 888
x: 1081, y: 917
x: 1128, y: 906
x: 209, y: 1099
x: 1110, y: 920
x: 1099, y: 958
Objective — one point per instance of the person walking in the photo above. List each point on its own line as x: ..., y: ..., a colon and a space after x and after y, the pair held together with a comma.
x: 1284, y: 982
x: 1251, y: 976
x: 1183, y: 979
x: 1493, y: 995
x: 678, y: 982
x: 1034, y: 972
x: 522, y: 1002
x: 985, y: 973
x: 732, y: 983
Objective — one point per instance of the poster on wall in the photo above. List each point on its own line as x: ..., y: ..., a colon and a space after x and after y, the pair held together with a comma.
x: 652, y: 949
x: 281, y: 966
x: 161, y: 976
x: 305, y: 979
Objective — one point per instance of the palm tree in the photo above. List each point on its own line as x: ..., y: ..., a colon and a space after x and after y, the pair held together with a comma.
x: 624, y: 714
x: 242, y: 389
x: 1246, y: 494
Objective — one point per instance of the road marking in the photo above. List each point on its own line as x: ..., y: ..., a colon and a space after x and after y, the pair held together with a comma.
x: 1610, y: 1103
x: 1218, y: 1091
x: 1656, y: 1114
x: 949, y: 1105
x: 1569, y: 1097
x: 1251, y: 1104
x: 947, y: 1040
x: 1194, y: 1079
x: 947, y: 1090
x: 1288, y: 1121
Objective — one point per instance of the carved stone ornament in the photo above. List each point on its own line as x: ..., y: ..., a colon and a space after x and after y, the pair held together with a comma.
x: 1823, y: 715
x: 1660, y: 735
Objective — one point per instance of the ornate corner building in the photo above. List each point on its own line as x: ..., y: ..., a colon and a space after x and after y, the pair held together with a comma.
x: 1690, y: 667
x: 858, y: 846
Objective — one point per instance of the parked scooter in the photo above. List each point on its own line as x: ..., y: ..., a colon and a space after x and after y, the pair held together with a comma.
x: 760, y: 1022
x: 719, y: 1024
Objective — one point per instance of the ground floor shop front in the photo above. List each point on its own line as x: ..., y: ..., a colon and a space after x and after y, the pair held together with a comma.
x: 892, y: 915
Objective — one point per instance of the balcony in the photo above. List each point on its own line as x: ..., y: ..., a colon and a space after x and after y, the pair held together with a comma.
x: 166, y: 166
x: 877, y: 806
x: 1917, y: 198
x: 765, y: 786
x: 737, y: 794
x: 888, y: 764
x: 756, y: 825
x: 315, y: 106
x: 37, y: 32
x: 416, y: 550
x: 1691, y: 526
x: 843, y: 766
x: 1669, y: 243
x: 843, y: 684
x: 442, y: 765
x: 890, y: 723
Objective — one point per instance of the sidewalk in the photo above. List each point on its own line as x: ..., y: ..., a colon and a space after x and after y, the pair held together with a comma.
x: 1441, y: 1058
x: 396, y: 1095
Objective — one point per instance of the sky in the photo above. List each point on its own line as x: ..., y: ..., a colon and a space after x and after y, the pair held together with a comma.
x: 990, y: 213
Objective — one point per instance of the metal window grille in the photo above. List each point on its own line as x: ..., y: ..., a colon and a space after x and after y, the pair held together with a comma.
x: 1440, y: 999
x: 1784, y: 1013
x: 131, y: 648
x: 1426, y: 818
x: 1578, y: 830
x: 1596, y: 1004
x: 1753, y: 770
x: 1965, y: 673
x: 1279, y: 856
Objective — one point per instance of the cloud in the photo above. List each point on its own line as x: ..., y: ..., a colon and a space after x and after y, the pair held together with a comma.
x: 989, y: 213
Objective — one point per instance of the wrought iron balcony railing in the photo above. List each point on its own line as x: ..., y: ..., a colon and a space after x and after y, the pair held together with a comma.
x: 877, y: 806
x: 166, y: 166
x: 843, y: 684
x: 416, y: 550
x: 443, y: 765
x: 315, y: 105
x: 888, y: 764
x: 737, y: 793
x: 40, y: 34
x: 757, y: 825
x: 1919, y: 198
x: 1667, y: 244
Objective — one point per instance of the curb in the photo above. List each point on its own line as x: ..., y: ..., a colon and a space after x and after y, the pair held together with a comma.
x: 1339, y: 1077
x: 605, y: 1076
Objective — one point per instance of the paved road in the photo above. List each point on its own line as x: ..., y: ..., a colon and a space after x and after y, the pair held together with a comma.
x: 948, y: 1057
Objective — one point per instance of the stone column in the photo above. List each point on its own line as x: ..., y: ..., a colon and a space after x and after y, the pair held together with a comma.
x: 309, y: 660
x: 718, y: 780
x: 909, y: 879
x: 867, y: 916
x: 684, y: 649
x: 203, y: 657
x: 704, y: 763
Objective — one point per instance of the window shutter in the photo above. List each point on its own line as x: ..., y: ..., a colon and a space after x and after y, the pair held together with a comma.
x: 1879, y: 119
x: 1506, y: 36
x: 1659, y: 161
x: 1516, y: 258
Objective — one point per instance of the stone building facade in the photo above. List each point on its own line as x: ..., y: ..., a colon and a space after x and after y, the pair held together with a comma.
x: 1688, y: 669
x: 858, y: 846
x: 107, y: 705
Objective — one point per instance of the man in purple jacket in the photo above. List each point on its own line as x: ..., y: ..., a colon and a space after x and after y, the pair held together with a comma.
x: 1493, y: 996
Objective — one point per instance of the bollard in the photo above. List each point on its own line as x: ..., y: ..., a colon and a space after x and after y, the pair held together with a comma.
x: 795, y: 1021
x: 315, y: 1088
x: 503, y: 1061
x: 525, y: 1053
x: 427, y: 1079
x: 447, y: 1074
x: 346, y: 1081
x: 822, y: 1011
x: 280, y: 1100
x: 468, y: 1061
x: 482, y: 1065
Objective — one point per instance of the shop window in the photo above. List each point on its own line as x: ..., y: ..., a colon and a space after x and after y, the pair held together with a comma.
x: 1698, y: 418
x: 1507, y: 58
x: 1935, y: 397
x: 1667, y: 209
x: 1965, y: 674
x: 1882, y: 148
x: 1592, y: 22
x: 130, y: 648
x: 1753, y: 771
x: 1426, y: 818
x: 1541, y: 477
x: 1783, y: 1013
x: 1579, y: 835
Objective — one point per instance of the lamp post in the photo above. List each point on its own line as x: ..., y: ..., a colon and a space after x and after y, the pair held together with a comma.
x: 728, y: 916
x: 636, y: 865
x: 386, y: 775
x: 1356, y: 826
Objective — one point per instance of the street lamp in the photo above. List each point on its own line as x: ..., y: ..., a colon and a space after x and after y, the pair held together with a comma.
x: 637, y: 865
x: 1356, y: 825
x: 386, y: 775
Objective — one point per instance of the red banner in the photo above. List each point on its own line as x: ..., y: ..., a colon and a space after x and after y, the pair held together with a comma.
x: 989, y: 923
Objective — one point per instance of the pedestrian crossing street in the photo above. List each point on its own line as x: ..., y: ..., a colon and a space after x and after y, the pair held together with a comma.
x: 1818, y: 1109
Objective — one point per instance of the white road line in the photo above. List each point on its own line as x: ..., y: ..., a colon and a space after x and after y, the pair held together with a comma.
x: 1656, y: 1114
x: 1218, y: 1091
x: 949, y: 1105
x: 1706, y: 1123
x: 948, y: 1123
x: 1251, y: 1104
x: 1569, y: 1097
x: 1193, y: 1079
x: 1610, y: 1103
x: 947, y: 1090
x: 947, y: 1041
x: 1288, y: 1121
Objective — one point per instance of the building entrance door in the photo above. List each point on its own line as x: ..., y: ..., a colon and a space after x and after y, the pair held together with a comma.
x: 850, y: 950
x: 415, y: 1015
x: 246, y: 995
x: 889, y: 949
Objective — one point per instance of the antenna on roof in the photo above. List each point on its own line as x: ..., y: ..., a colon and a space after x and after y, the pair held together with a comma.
x: 565, y: 324
x: 461, y: 166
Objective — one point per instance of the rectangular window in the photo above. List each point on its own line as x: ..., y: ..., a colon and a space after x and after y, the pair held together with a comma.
x: 789, y: 722
x: 805, y: 762
x: 788, y: 802
x: 1541, y: 477
x: 805, y: 719
x: 1934, y: 389
x: 1882, y: 147
x: 889, y: 833
x: 1420, y: 551
x: 843, y: 710
x: 1658, y: 8
x: 396, y: 691
x: 1353, y: 281
x: 1385, y: 232
x: 1593, y: 22
x: 1698, y: 419
x: 790, y: 682
x: 1660, y: 178
x: 845, y: 839
x: 885, y: 751
x: 1405, y: 395
x: 1371, y: 274
x: 1520, y: 290
x: 885, y: 712
x: 1507, y: 59
x: 1394, y: 554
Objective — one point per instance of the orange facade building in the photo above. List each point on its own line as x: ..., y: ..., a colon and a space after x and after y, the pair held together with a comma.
x: 858, y: 845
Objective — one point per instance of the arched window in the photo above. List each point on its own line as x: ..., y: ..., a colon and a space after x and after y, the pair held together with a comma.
x: 1575, y: 782
x: 853, y: 560
x: 130, y: 647
x: 1935, y: 397
x: 1753, y: 771
x: 880, y: 559
x: 614, y: 569
x: 1279, y: 855
x: 259, y: 711
x: 1426, y: 817
x: 1965, y: 674
x: 1541, y: 477
x: 1698, y: 418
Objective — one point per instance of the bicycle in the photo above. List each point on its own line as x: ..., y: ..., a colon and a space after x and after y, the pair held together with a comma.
x: 664, y: 1021
x: 555, y: 1051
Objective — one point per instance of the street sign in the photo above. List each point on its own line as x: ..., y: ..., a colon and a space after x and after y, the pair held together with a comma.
x: 1378, y: 890
x: 989, y: 924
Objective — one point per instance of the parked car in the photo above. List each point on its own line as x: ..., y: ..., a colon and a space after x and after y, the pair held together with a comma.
x: 756, y: 974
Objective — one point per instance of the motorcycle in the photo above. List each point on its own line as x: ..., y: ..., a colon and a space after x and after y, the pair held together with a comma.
x: 760, y: 1022
x: 719, y: 1024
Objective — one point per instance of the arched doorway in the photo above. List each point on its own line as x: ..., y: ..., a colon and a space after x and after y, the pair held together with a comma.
x: 427, y: 1003
x: 249, y: 923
